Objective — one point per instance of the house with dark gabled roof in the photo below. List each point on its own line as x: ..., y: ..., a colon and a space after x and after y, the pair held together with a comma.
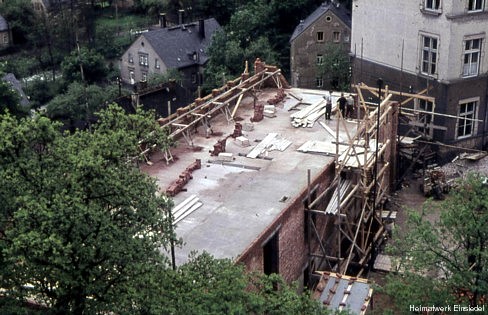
x: 5, y: 34
x: 329, y: 24
x: 181, y: 47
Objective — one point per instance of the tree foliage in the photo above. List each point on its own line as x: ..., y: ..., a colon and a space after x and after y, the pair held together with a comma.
x: 228, y: 57
x: 169, y: 75
x: 79, y: 223
x: 445, y: 261
x: 108, y: 42
x: 335, y: 68
x: 41, y: 91
x: 256, y: 29
x: 92, y: 63
x: 82, y: 229
x: 10, y: 99
x: 206, y: 285
x: 151, y: 7
x: 20, y: 17
x: 79, y: 102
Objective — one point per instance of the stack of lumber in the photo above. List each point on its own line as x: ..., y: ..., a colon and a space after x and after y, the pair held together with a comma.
x: 185, y: 208
x: 271, y: 142
x: 269, y: 111
x: 333, y: 205
x: 307, y: 116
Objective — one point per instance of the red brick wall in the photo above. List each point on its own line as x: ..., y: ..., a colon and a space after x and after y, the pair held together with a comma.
x: 293, y: 248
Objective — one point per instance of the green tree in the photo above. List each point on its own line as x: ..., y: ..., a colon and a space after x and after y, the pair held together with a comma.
x: 221, y: 10
x: 82, y: 229
x: 108, y: 42
x: 80, y: 226
x: 92, y: 63
x: 228, y: 55
x: 252, y: 28
x: 10, y: 99
x: 446, y: 260
x: 42, y: 91
x: 21, y: 18
x: 335, y: 68
x: 151, y: 7
x: 79, y: 102
x: 205, y: 285
x: 43, y: 38
x: 171, y: 74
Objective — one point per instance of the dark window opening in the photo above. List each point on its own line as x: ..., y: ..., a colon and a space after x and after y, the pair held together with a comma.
x: 271, y: 255
x: 306, y: 277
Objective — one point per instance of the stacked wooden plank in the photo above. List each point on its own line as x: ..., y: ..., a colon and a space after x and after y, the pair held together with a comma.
x: 185, y: 208
x: 271, y: 142
x: 256, y: 151
x: 307, y: 116
x: 326, y: 147
x: 332, y: 207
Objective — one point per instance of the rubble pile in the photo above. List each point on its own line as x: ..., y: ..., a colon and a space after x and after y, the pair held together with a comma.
x: 465, y: 163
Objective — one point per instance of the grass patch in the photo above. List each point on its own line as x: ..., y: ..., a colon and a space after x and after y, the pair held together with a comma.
x: 124, y: 23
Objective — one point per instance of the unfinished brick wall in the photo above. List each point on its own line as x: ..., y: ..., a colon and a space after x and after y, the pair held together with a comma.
x: 178, y: 185
x: 293, y: 247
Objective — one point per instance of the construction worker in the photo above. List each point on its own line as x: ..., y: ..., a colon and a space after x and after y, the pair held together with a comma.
x: 350, y: 107
x: 342, y: 105
x: 328, y: 105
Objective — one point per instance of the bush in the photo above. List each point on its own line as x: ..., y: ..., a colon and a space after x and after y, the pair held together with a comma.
x: 40, y: 91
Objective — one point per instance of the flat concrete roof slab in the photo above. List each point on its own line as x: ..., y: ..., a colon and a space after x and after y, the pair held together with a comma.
x: 241, y: 198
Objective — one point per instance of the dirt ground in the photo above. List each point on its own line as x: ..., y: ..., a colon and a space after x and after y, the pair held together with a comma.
x: 409, y: 197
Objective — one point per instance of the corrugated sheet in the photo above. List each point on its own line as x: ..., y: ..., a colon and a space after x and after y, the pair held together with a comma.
x: 340, y: 292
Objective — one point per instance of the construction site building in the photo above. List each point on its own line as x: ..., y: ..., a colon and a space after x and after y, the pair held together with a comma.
x: 258, y: 176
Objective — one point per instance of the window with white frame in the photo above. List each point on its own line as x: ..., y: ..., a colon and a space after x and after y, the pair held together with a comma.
x: 143, y: 60
x: 320, y: 59
x: 131, y: 58
x: 144, y: 76
x: 319, y: 82
x: 466, y: 117
x: 132, y: 77
x: 429, y: 54
x: 475, y: 5
x: 432, y: 5
x: 471, y: 60
x: 156, y: 63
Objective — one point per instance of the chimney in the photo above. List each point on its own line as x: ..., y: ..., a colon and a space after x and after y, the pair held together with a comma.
x: 162, y: 20
x: 180, y: 16
x: 201, y: 28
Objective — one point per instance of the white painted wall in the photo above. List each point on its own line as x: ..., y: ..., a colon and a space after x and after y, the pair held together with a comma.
x: 384, y: 26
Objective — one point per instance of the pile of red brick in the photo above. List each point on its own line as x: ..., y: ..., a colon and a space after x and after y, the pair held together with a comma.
x: 237, y: 130
x: 258, y: 113
x: 277, y: 98
x: 218, y: 147
x: 184, y: 178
